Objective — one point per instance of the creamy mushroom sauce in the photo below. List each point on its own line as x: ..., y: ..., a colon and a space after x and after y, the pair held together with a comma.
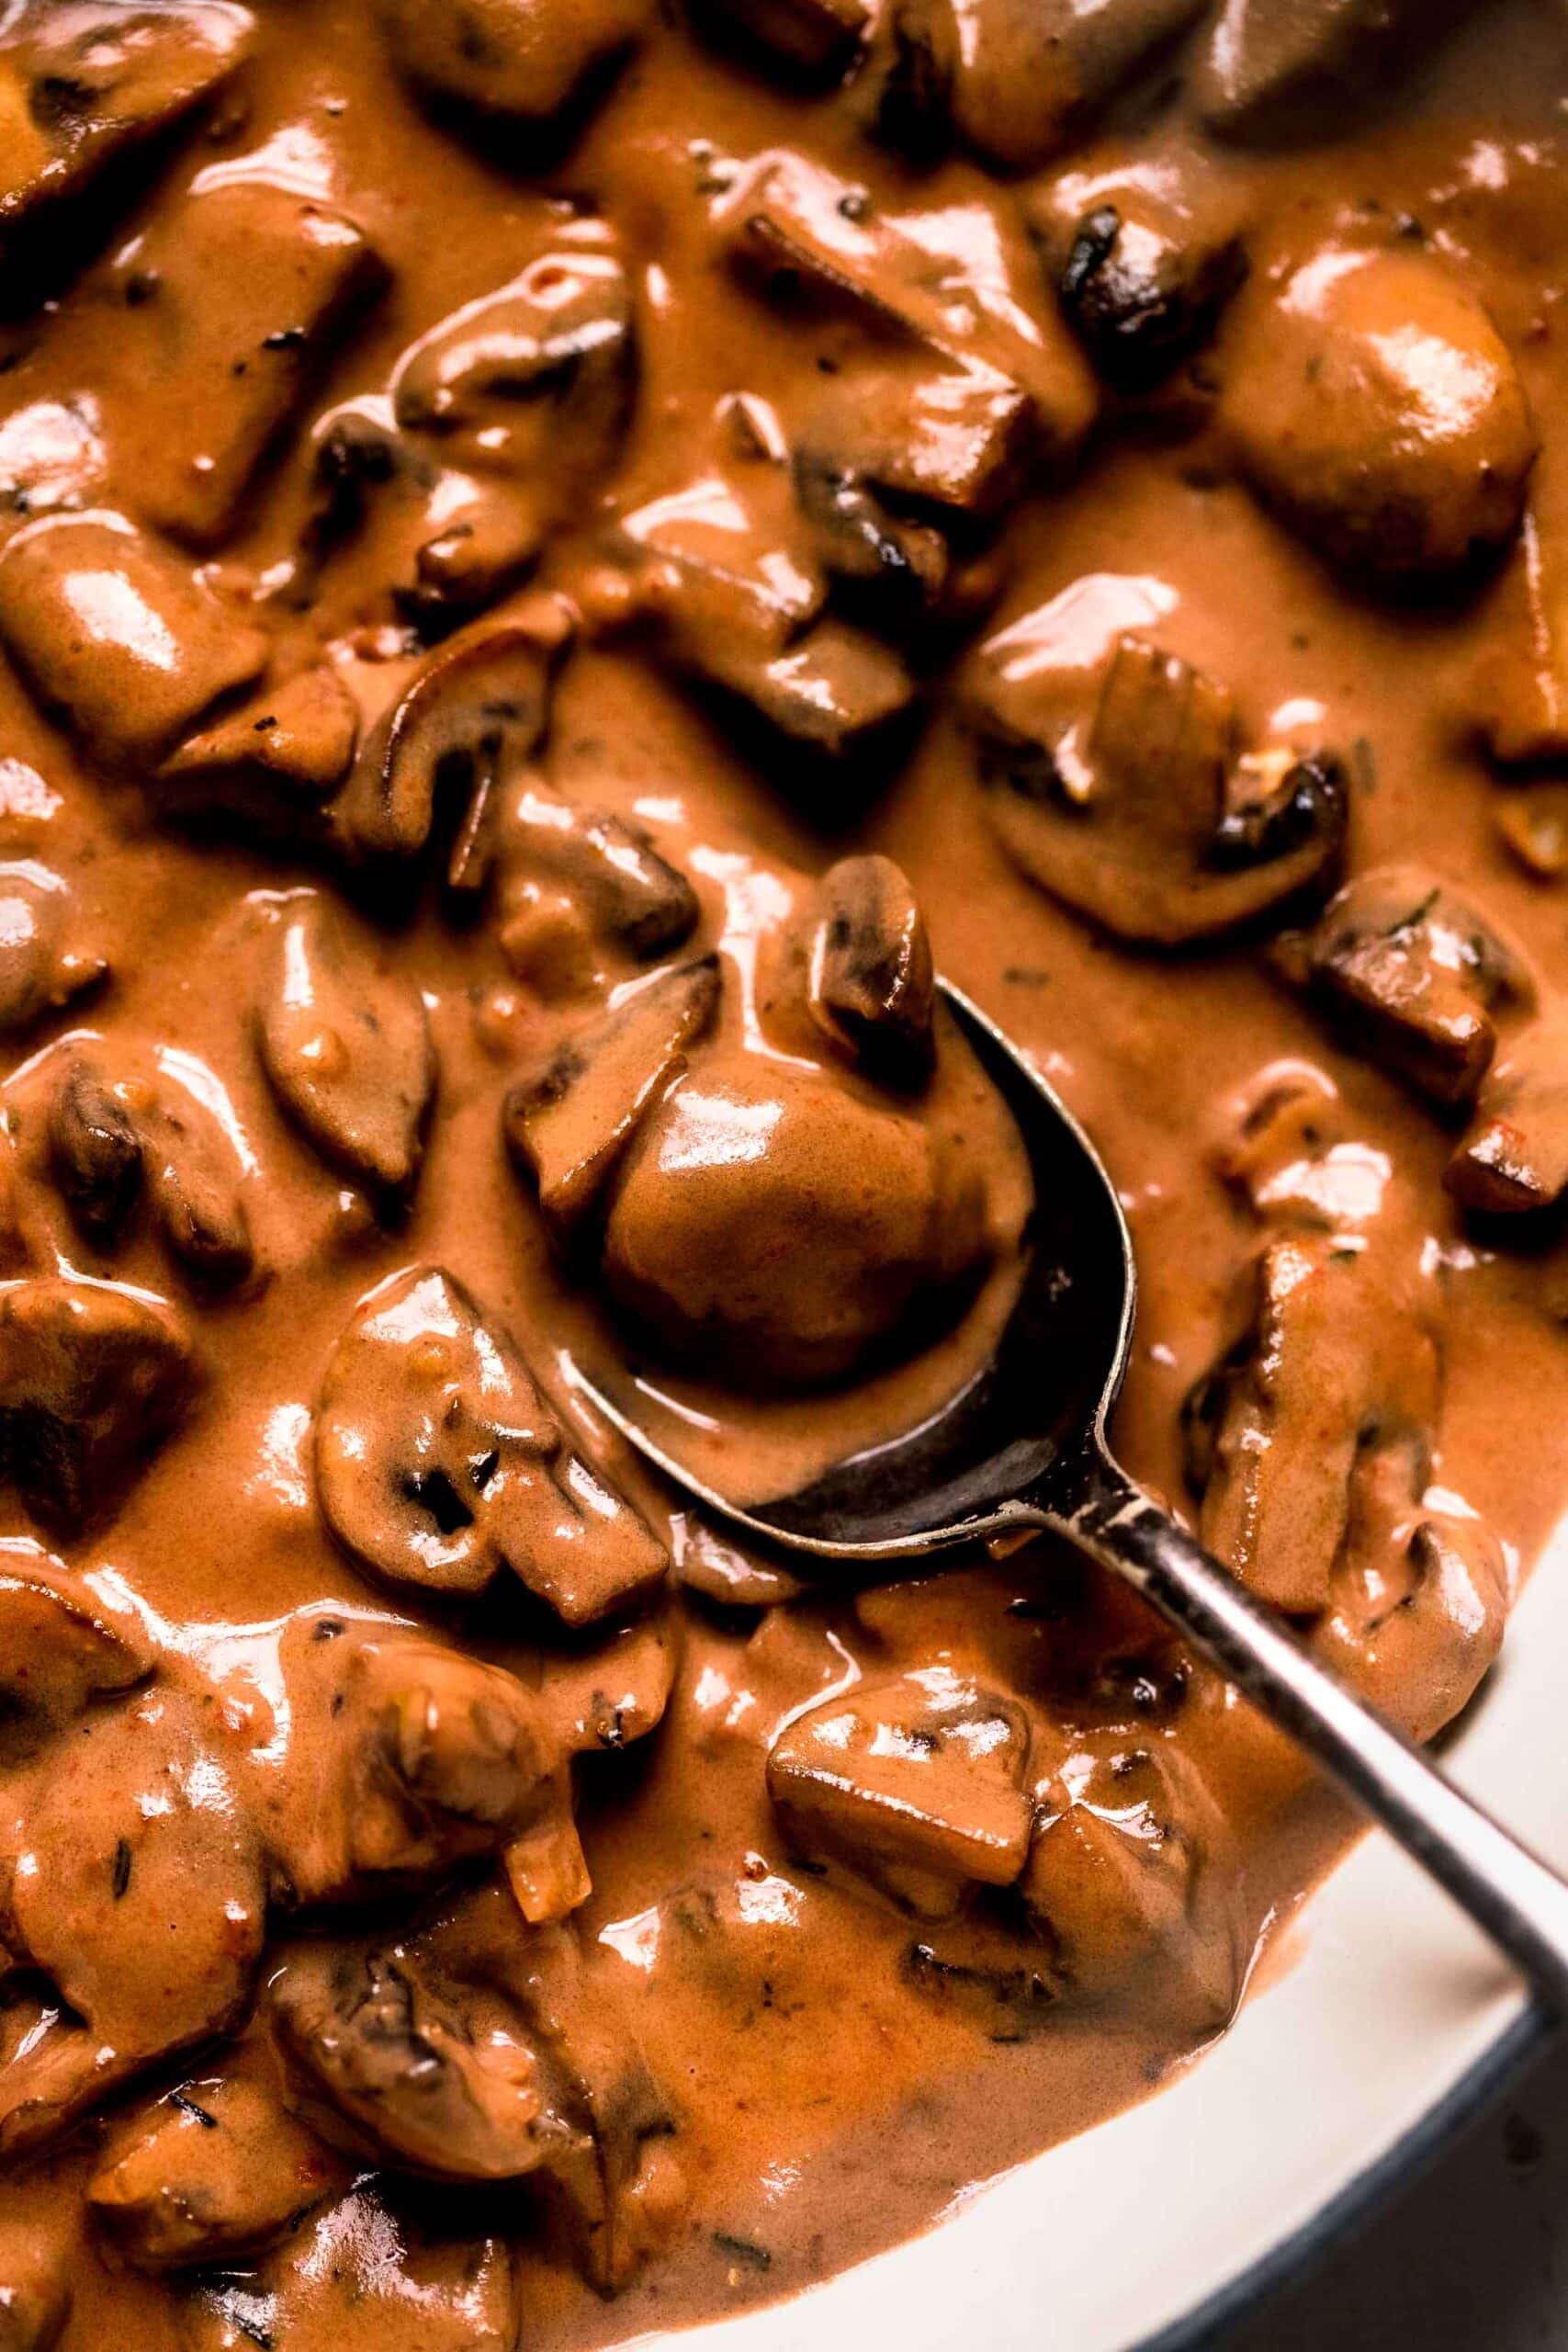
x: 542, y: 544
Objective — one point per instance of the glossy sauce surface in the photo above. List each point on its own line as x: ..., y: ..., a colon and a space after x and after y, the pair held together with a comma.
x: 439, y: 1913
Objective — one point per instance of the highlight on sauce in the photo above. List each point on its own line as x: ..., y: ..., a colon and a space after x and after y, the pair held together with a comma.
x: 558, y: 559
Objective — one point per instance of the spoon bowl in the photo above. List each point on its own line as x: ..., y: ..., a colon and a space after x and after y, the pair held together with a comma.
x: 1022, y: 1447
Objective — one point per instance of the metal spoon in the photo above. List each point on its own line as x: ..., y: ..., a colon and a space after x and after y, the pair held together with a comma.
x: 1023, y: 1448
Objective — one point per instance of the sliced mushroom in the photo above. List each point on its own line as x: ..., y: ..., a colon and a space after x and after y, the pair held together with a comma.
x: 238, y: 349
x: 407, y: 1759
x: 630, y: 895
x: 1018, y: 80
x: 1336, y: 1360
x: 1412, y: 973
x: 407, y: 2076
x: 471, y: 716
x: 272, y: 765
x: 953, y: 447
x: 110, y: 1144
x: 156, y: 653
x: 1277, y: 71
x: 612, y: 2154
x: 149, y: 1912
x: 532, y: 384
x: 345, y: 1041
x: 92, y: 1380
x: 35, y: 2288
x: 772, y: 1229
x: 216, y: 2171
x: 1142, y: 282
x: 63, y: 1644
x: 1116, y: 1878
x: 817, y: 38
x: 730, y: 583
x: 195, y: 1182
x: 1514, y: 1158
x: 917, y: 1782
x: 95, y: 1152
x: 42, y: 968
x: 1420, y: 1600
x: 871, y: 985
x: 528, y: 60
x: 789, y: 217
x: 85, y: 83
x: 1370, y: 400
x: 366, y: 2271
x: 1295, y: 1160
x: 438, y: 1462
x: 1111, y: 774
x: 602, y: 1699
x: 570, y: 1121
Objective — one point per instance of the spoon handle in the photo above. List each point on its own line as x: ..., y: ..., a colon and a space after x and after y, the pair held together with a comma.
x: 1520, y: 1904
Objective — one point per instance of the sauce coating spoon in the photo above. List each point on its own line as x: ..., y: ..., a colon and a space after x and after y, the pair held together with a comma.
x: 1022, y: 1448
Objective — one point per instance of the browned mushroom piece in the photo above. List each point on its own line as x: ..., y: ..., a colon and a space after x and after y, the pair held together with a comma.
x: 814, y: 37
x: 933, y: 449
x: 730, y: 583
x: 1514, y: 1158
x: 95, y: 1152
x: 160, y: 650
x: 52, y: 454
x: 83, y: 84
x: 1111, y: 774
x: 271, y: 765
x: 790, y: 218
x: 238, y: 349
x: 35, y: 2287
x: 110, y: 1144
x: 609, y: 870
x: 531, y: 385
x: 1296, y: 1159
x: 197, y: 1187
x: 871, y: 984
x: 527, y: 61
x: 439, y: 1464
x: 93, y: 1379
x: 1017, y: 80
x: 1116, y: 1877
x: 1420, y: 1597
x: 603, y: 1699
x: 212, y: 2173
x: 1411, y: 972
x: 1143, y: 278
x: 1370, y: 400
x: 1336, y: 1361
x: 916, y: 1782
x: 148, y: 1920
x: 63, y: 1644
x: 470, y: 717
x: 42, y: 967
x: 408, y: 1759
x: 345, y: 1041
x: 776, y: 1230
x: 391, y: 2064
x: 1277, y: 71
x: 361, y: 2273
x: 570, y: 1121
x: 612, y: 2160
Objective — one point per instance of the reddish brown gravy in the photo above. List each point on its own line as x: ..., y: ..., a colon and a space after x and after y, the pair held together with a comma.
x: 768, y: 2041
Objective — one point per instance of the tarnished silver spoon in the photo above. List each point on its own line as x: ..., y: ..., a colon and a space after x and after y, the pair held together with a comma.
x: 1023, y: 1447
